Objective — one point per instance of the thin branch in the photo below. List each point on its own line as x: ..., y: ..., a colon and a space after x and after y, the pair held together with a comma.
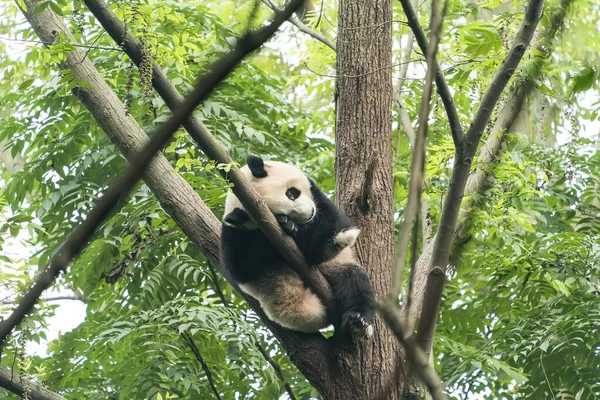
x: 418, y: 358
x: 83, y: 46
x: 440, y: 80
x: 125, y: 182
x: 460, y: 173
x: 277, y: 369
x: 303, y: 28
x: 417, y: 168
x: 390, y: 311
x: 192, y: 345
x: 76, y: 297
x: 17, y: 385
x: 509, y: 112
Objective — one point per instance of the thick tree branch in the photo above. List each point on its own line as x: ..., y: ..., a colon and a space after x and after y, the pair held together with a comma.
x: 460, y: 173
x: 310, y: 353
x: 440, y: 80
x: 78, y: 239
x: 303, y: 28
x: 257, y: 208
x: 14, y: 383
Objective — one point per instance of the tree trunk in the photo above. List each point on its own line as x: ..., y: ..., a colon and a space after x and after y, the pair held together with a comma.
x: 364, y: 179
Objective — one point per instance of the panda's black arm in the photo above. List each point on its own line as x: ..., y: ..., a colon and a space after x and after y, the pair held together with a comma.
x: 316, y: 238
x: 246, y: 253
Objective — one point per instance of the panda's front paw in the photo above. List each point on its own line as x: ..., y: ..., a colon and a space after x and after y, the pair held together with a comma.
x: 356, y: 325
x: 346, y: 238
x: 287, y: 224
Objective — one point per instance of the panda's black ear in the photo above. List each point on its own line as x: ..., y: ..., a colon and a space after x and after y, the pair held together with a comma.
x: 237, y: 217
x: 256, y: 165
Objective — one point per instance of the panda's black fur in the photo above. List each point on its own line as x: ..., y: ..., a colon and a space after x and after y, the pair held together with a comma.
x: 257, y: 267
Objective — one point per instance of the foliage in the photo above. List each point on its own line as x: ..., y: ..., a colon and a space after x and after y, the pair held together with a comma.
x: 520, y: 317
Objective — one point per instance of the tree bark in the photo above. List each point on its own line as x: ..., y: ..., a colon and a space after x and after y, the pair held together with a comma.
x: 364, y: 179
x: 13, y: 382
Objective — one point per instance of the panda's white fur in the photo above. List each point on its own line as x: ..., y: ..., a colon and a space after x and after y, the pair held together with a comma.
x: 325, y: 237
x: 280, y: 177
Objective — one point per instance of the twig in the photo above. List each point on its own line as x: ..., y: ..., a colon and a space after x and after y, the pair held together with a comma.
x: 78, y: 239
x: 440, y: 81
x: 302, y: 27
x: 192, y: 345
x: 460, y: 173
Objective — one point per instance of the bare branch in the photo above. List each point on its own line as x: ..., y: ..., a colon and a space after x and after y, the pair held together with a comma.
x: 303, y: 28
x: 78, y: 239
x: 440, y: 80
x: 487, y: 155
x: 14, y: 383
x: 460, y: 173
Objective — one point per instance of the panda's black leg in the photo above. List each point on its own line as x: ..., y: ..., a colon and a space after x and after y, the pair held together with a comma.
x: 355, y: 300
x: 287, y: 224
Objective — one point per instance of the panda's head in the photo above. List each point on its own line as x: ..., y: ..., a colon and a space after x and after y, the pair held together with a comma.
x: 284, y: 188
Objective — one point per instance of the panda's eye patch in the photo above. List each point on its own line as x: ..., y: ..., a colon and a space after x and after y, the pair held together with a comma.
x: 292, y: 193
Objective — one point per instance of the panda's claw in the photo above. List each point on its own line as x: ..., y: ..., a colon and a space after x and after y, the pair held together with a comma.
x: 287, y: 224
x: 355, y: 325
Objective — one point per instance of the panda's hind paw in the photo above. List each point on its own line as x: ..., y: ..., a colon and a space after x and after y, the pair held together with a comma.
x: 356, y: 325
x: 287, y: 224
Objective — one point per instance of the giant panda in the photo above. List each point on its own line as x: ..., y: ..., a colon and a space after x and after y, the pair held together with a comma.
x: 324, y: 235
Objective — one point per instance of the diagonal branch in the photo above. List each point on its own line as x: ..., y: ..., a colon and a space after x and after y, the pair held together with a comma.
x: 78, y: 239
x: 18, y: 386
x: 257, y: 209
x: 440, y: 80
x: 460, y: 173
